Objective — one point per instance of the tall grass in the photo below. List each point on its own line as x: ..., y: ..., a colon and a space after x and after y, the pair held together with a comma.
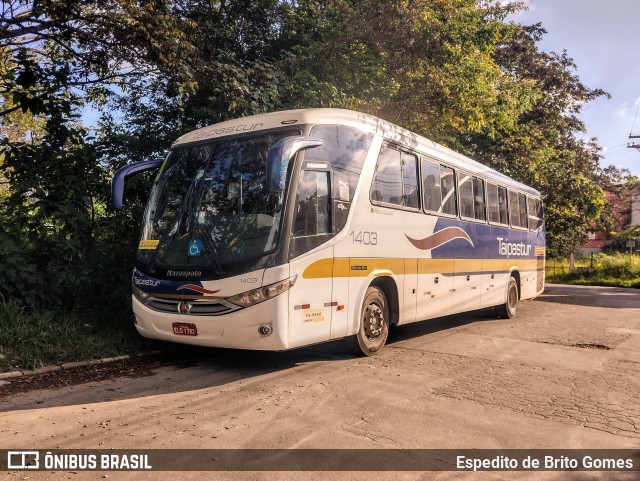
x: 30, y: 338
x: 621, y: 270
x: 618, y: 265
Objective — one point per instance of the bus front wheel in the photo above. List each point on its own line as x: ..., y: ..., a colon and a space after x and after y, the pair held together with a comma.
x: 374, y: 324
x: 508, y: 309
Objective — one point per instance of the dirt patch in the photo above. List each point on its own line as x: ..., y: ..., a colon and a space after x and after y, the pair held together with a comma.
x: 136, y: 366
x: 591, y: 346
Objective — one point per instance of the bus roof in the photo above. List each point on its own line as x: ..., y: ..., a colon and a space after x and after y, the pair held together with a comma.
x: 392, y: 132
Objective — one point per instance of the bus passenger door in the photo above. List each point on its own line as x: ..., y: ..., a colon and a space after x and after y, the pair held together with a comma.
x: 310, y: 299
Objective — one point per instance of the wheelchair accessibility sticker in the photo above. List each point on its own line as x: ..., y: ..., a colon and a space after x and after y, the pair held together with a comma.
x: 195, y: 248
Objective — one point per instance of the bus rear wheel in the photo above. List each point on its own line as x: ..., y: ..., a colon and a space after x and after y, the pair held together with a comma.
x: 509, y: 308
x: 374, y: 324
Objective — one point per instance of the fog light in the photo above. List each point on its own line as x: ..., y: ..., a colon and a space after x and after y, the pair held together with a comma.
x: 264, y: 330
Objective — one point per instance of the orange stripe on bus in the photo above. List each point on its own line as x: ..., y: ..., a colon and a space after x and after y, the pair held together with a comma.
x: 362, y: 267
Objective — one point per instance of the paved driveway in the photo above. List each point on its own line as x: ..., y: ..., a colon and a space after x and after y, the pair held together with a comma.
x: 564, y: 374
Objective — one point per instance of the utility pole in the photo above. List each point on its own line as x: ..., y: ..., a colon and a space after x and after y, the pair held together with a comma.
x: 634, y: 145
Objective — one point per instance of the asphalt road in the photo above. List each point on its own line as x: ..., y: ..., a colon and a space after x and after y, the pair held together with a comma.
x: 564, y: 374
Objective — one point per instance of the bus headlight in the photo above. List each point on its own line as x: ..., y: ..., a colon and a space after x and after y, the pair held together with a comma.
x: 261, y: 294
x: 140, y: 295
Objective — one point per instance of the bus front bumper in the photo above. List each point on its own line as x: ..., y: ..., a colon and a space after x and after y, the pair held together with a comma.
x: 241, y: 329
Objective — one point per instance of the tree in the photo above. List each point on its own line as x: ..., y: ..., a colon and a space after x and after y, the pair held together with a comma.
x: 543, y: 149
x: 58, y: 55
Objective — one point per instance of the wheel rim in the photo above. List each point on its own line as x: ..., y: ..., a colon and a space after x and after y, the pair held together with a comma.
x: 513, y: 298
x: 373, y: 321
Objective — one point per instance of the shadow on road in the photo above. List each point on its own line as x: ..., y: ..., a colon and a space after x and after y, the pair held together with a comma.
x: 188, y: 368
x: 417, y: 329
x: 611, y: 297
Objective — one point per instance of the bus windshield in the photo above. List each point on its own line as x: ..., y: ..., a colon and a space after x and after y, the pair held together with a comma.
x: 209, y: 206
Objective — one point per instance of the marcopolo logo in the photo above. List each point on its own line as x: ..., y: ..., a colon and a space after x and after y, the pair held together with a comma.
x: 506, y: 248
x: 172, y: 273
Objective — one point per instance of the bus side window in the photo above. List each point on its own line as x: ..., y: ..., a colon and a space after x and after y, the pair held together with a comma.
x: 493, y: 208
x: 312, y: 204
x: 514, y: 209
x: 497, y: 204
x: 518, y: 209
x: 535, y: 213
x: 448, y: 188
x: 410, y: 196
x: 502, y: 205
x: 431, y: 185
x: 478, y: 199
x: 387, y: 184
x: 396, y: 180
x: 345, y: 148
x: 523, y: 210
x: 465, y: 186
x: 471, y: 196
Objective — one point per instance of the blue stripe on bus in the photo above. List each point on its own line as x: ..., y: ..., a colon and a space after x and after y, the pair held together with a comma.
x: 487, y: 241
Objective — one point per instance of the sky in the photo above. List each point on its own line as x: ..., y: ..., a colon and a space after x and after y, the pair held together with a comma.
x: 603, y: 38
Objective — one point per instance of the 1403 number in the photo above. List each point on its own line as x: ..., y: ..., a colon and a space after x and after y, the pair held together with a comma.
x: 366, y: 238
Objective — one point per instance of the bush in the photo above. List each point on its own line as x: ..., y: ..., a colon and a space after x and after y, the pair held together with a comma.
x: 31, y: 338
x: 620, y: 270
x: 621, y: 266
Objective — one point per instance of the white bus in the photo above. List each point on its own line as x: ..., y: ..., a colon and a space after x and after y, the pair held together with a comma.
x: 286, y: 229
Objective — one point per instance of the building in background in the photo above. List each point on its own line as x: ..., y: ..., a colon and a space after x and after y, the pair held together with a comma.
x: 627, y: 213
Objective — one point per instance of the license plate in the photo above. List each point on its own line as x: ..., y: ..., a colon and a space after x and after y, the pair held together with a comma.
x: 184, y: 329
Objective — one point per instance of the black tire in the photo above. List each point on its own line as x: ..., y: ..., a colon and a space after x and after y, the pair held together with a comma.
x: 374, y: 324
x: 509, y: 308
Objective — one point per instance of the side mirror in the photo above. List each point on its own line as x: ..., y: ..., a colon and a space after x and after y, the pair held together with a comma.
x: 280, y: 155
x: 117, y: 183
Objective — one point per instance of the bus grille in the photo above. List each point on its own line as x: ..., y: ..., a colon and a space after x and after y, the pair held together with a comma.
x: 194, y: 308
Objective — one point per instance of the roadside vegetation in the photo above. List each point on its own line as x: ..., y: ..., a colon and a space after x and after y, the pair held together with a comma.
x: 619, y: 270
x: 31, y: 338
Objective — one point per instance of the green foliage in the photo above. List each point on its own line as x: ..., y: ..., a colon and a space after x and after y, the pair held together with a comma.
x: 619, y: 265
x: 619, y: 269
x: 56, y: 56
x: 31, y: 338
x: 619, y: 241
